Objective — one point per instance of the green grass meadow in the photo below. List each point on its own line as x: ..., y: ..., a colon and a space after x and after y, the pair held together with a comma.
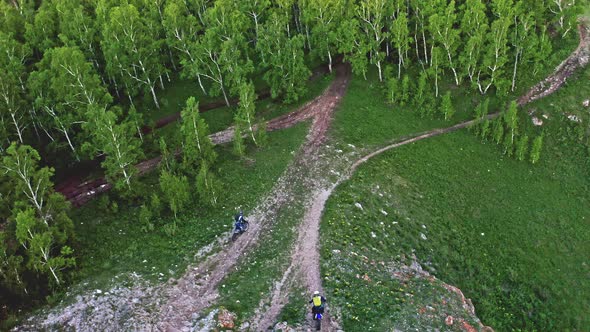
x: 513, y: 236
x: 113, y: 243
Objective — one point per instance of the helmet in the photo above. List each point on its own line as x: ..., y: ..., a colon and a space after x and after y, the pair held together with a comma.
x: 316, y: 293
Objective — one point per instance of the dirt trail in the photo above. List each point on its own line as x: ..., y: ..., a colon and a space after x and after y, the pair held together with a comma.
x: 79, y: 191
x: 175, y: 305
x: 197, y: 289
x: 305, y: 255
x: 578, y: 59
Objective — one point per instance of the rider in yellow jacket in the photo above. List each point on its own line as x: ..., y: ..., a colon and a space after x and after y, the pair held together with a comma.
x: 318, y: 302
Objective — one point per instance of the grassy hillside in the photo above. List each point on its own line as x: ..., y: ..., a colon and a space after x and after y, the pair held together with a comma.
x: 511, y: 235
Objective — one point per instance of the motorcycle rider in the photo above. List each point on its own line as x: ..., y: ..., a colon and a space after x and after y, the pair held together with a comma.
x: 318, y: 304
x: 239, y: 221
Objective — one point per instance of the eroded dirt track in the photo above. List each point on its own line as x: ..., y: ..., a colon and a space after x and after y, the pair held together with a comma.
x: 198, y: 288
x: 578, y: 59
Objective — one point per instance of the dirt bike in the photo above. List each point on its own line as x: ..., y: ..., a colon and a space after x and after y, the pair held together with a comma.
x: 238, y: 231
x: 317, y: 317
x: 318, y: 321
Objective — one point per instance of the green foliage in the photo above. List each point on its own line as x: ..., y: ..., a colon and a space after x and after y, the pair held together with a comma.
x: 446, y: 106
x: 421, y: 91
x: 405, y: 91
x: 145, y: 219
x: 129, y: 41
x: 522, y: 147
x: 497, y: 131
x: 208, y: 185
x: 175, y: 191
x: 393, y: 90
x: 197, y: 146
x: 118, y: 142
x: 42, y: 226
x: 239, y: 147
x: 155, y: 204
x: 536, y: 149
x: 481, y: 111
x: 287, y: 74
x: 401, y: 37
x: 261, y: 135
x: 324, y: 18
x: 246, y: 112
x: 168, y: 162
x: 42, y: 29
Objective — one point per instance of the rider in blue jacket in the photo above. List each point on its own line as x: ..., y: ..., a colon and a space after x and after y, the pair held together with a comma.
x: 239, y: 219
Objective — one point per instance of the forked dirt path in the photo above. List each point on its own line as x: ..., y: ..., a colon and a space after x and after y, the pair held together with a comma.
x: 305, y: 255
x: 197, y: 289
x: 176, y: 305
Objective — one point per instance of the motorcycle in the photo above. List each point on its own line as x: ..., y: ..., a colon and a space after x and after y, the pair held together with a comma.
x: 239, y: 230
x: 318, y: 314
x: 317, y: 317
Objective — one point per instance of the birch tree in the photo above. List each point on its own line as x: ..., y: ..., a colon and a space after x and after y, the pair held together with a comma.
x: 117, y: 141
x: 131, y: 49
x: 13, y: 56
x: 256, y: 9
x: 435, y: 70
x: 22, y: 163
x: 496, y: 52
x: 523, y: 39
x: 544, y: 49
x: 441, y: 25
x: 474, y: 24
x: 13, y: 16
x: 208, y: 185
x: 353, y: 45
x: 182, y: 31
x: 287, y: 73
x: 65, y: 85
x: 175, y: 189
x: 323, y: 16
x: 420, y: 22
x: 221, y: 52
x: 564, y: 11
x: 41, y: 31
x: 43, y: 253
x: 511, y: 121
x: 372, y: 15
x: 43, y: 228
x: 197, y: 147
x: 401, y: 38
x: 246, y: 112
x: 77, y: 28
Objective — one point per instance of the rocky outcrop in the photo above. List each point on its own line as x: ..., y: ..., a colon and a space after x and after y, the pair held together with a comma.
x: 433, y: 304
